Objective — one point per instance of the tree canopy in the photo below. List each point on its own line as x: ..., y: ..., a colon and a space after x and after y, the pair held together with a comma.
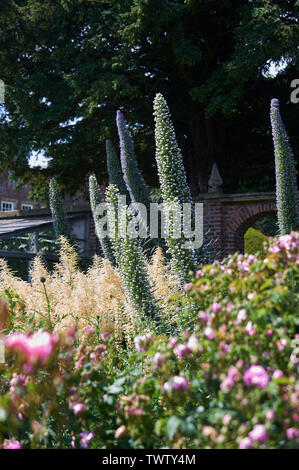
x: 69, y: 65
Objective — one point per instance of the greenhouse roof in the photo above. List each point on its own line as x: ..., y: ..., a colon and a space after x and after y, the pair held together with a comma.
x: 18, y: 225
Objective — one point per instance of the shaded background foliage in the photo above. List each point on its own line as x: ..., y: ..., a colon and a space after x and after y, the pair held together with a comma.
x: 69, y: 65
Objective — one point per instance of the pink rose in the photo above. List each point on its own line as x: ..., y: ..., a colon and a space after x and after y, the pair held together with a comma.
x: 245, y: 443
x: 259, y: 433
x: 209, y: 333
x: 256, y: 375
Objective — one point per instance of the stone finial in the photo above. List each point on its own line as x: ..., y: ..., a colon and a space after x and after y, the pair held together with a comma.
x: 215, y: 182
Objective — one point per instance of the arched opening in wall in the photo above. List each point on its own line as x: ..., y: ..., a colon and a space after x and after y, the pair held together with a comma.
x: 255, y: 231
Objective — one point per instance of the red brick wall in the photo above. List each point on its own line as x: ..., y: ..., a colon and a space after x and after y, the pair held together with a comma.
x: 228, y: 217
x: 8, y: 192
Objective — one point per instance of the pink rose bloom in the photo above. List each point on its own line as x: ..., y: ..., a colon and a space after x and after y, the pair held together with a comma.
x: 270, y: 414
x: 198, y: 273
x: 89, y: 330
x: 180, y: 383
x: 256, y: 375
x: 86, y: 437
x: 251, y: 259
x: 204, y: 316
x: 182, y: 351
x: 177, y: 383
x: 120, y: 432
x: 226, y: 384
x: 259, y: 433
x: 292, y: 433
x: 36, y: 348
x: 281, y: 344
x: 105, y: 335
x: 251, y: 295
x: 12, y: 445
x: 216, y: 307
x: 250, y: 329
x: 226, y: 419
x: 233, y: 373
x: 187, y: 286
x: 158, y: 359
x: 225, y: 347
x: 242, y: 315
x: 173, y: 341
x: 277, y: 374
x: 209, y: 333
x: 192, y: 343
x: 245, y: 443
x: 77, y: 408
x: 293, y: 358
x: 142, y: 342
x: 167, y: 387
x: 229, y: 307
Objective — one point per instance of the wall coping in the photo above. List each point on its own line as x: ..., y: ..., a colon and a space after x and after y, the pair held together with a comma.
x: 237, y: 197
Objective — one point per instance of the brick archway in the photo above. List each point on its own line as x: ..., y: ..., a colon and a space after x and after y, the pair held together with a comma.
x: 243, y: 220
x: 228, y: 216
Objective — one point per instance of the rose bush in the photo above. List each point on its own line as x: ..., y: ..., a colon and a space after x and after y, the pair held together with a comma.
x: 229, y: 380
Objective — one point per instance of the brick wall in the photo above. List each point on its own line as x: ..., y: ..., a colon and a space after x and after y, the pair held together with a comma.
x: 9, y: 193
x: 227, y: 217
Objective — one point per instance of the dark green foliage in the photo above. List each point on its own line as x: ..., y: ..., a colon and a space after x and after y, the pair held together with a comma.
x: 68, y: 66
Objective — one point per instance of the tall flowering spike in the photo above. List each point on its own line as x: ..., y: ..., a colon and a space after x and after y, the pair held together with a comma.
x: 135, y: 182
x: 112, y: 199
x: 61, y: 226
x: 174, y: 187
x: 183, y: 259
x: 130, y: 259
x: 114, y: 170
x: 172, y: 175
x: 286, y: 185
x: 95, y: 199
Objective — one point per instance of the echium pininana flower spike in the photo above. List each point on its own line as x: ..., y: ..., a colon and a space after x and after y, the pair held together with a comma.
x: 286, y: 185
x: 183, y: 259
x: 61, y: 226
x: 95, y: 199
x: 130, y: 258
x: 135, y: 182
x: 172, y: 175
x: 114, y: 170
x: 174, y: 187
x: 112, y: 199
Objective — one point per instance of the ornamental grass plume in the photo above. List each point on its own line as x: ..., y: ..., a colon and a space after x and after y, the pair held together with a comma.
x: 95, y: 298
x: 163, y: 280
x: 286, y: 185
